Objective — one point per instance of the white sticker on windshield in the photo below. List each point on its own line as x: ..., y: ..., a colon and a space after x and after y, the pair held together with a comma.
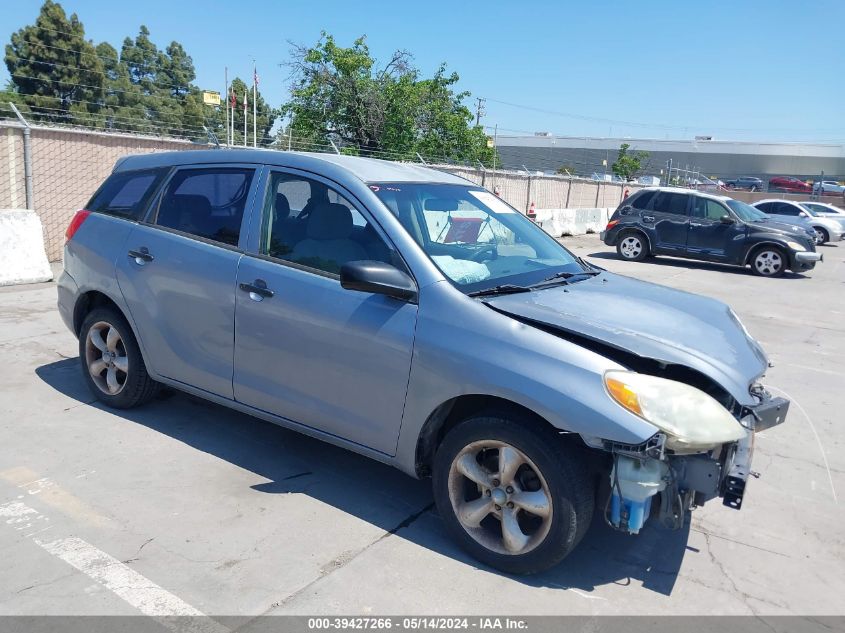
x: 493, y: 201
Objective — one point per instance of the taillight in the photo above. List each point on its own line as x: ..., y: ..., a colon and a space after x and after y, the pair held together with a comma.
x: 611, y: 224
x: 78, y: 218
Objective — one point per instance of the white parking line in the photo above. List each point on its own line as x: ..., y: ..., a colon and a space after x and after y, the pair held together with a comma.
x: 126, y: 583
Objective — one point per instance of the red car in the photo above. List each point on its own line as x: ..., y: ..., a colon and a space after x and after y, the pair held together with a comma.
x: 789, y: 184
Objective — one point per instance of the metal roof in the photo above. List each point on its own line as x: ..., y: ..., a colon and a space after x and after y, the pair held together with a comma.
x: 337, y: 165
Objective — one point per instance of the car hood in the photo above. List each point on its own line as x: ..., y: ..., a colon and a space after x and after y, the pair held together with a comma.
x: 650, y: 321
x: 786, y: 225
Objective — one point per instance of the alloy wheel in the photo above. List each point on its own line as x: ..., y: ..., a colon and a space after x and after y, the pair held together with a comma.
x: 106, y: 359
x: 631, y: 247
x: 768, y: 262
x: 820, y: 235
x: 500, y: 497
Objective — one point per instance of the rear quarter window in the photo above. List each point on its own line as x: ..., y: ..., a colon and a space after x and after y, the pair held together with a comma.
x: 641, y: 201
x: 669, y: 202
x: 126, y: 194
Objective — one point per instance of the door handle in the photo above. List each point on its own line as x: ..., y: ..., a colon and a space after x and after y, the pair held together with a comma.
x: 257, y: 290
x: 696, y: 224
x: 648, y: 218
x: 141, y: 256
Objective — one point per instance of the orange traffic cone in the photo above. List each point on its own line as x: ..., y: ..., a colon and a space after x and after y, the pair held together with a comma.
x: 532, y: 214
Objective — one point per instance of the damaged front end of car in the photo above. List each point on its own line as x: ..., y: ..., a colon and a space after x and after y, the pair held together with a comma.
x: 703, y: 450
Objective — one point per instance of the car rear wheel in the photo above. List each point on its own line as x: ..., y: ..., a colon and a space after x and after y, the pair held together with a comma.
x: 513, y: 497
x: 768, y: 261
x: 111, y: 361
x: 821, y: 235
x: 632, y: 246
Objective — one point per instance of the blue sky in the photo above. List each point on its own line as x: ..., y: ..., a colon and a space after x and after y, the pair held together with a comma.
x: 767, y: 70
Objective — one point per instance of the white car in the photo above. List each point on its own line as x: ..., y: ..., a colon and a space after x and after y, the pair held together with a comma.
x: 823, y: 208
x: 826, y: 228
x: 828, y: 187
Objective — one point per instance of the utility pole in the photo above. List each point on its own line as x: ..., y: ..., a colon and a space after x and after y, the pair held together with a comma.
x: 479, y: 110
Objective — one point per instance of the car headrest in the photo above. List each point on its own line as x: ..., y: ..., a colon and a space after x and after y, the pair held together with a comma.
x: 281, y: 211
x: 329, y: 221
x: 185, y: 208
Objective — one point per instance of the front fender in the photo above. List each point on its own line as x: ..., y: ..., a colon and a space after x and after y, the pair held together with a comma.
x: 463, y: 347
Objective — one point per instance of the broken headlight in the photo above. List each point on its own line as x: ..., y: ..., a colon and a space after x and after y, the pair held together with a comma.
x: 692, y: 420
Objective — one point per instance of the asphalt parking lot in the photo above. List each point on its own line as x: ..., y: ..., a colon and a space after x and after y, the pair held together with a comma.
x: 203, y: 510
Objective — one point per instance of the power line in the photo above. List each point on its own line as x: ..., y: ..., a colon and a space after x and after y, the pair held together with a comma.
x: 662, y: 126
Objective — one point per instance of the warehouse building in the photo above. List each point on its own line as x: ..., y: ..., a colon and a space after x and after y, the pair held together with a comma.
x: 706, y: 155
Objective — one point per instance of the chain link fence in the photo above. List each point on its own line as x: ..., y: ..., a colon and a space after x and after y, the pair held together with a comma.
x: 68, y: 164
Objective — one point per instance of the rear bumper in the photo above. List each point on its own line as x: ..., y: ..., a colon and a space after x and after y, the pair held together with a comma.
x: 67, y: 293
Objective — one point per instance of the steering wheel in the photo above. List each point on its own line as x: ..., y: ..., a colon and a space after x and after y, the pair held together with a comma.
x: 477, y: 256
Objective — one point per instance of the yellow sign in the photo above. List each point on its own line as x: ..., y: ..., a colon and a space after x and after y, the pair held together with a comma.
x: 489, y: 141
x: 210, y: 97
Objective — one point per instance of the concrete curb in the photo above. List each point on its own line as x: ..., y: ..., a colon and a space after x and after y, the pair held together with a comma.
x: 23, y: 259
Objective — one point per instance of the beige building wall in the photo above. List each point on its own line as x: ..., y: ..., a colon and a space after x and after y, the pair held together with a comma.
x: 67, y: 167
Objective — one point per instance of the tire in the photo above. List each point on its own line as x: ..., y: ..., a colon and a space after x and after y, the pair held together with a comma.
x: 551, y: 478
x: 822, y: 235
x: 768, y: 261
x: 753, y: 188
x: 111, y: 361
x: 632, y: 246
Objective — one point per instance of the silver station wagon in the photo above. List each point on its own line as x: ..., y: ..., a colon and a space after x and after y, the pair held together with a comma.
x: 416, y: 318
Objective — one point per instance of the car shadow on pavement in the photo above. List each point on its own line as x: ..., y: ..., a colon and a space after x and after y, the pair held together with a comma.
x: 374, y: 492
x: 673, y: 262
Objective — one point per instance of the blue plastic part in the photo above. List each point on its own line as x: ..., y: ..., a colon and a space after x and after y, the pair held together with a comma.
x: 636, y: 511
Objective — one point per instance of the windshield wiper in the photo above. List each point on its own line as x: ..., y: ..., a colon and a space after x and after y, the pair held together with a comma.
x: 504, y: 289
x: 564, y: 278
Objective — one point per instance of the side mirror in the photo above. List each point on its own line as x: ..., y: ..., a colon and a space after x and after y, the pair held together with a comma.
x: 378, y: 278
x: 801, y: 214
x: 726, y: 219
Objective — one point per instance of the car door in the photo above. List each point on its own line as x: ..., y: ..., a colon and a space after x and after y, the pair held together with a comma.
x: 668, y: 216
x: 306, y: 349
x: 179, y: 271
x: 709, y: 236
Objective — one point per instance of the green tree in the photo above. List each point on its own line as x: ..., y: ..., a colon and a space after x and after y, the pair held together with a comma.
x: 628, y: 164
x: 54, y: 68
x: 343, y: 94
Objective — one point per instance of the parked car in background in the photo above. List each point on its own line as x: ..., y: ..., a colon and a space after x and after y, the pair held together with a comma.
x: 788, y: 184
x: 698, y: 225
x: 418, y: 319
x: 744, y: 183
x: 828, y: 188
x: 823, y: 208
x: 826, y: 228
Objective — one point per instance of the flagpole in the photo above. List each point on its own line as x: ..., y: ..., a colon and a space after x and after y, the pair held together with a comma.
x: 226, y: 97
x: 246, y: 114
x: 254, y: 105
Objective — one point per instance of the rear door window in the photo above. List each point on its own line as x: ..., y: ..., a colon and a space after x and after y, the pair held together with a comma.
x: 206, y: 202
x: 670, y: 202
x: 126, y: 194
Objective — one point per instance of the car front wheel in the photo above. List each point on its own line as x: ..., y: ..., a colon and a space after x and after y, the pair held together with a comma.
x: 111, y: 361
x: 768, y: 261
x: 821, y: 235
x: 515, y: 498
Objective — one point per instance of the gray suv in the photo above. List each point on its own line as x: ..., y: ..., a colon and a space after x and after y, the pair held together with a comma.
x: 416, y: 318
